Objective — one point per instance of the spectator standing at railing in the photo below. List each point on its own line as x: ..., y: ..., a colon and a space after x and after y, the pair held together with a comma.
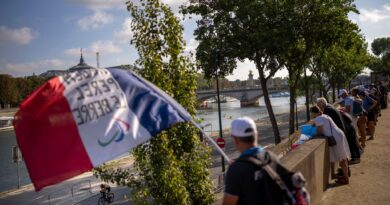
x: 357, y: 111
x: 353, y: 142
x: 337, y: 153
x: 332, y: 112
x: 328, y: 110
x: 346, y: 103
x: 384, y: 91
x: 376, y: 95
x: 370, y: 107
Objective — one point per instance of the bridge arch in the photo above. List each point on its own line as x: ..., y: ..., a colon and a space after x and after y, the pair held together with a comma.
x: 246, y: 95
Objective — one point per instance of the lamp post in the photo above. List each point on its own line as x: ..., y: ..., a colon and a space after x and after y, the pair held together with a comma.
x: 219, y: 105
x: 296, y: 115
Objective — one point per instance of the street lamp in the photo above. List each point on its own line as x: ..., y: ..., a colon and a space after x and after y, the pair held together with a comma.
x: 215, y: 51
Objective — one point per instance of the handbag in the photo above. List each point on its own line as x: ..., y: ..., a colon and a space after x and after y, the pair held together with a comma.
x: 331, y: 140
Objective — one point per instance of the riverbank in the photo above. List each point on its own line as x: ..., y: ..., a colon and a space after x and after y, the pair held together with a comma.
x: 9, y: 112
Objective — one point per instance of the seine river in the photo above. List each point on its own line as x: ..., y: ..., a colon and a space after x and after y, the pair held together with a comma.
x: 229, y: 111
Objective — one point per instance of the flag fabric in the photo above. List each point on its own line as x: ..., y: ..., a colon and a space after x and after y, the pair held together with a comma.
x: 82, y: 119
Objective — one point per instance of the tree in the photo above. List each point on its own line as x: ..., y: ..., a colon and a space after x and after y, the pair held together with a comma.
x: 381, y: 48
x: 309, y: 25
x: 172, y: 168
x: 8, y: 91
x: 240, y: 29
x: 24, y: 86
x: 202, y: 83
x: 341, y: 62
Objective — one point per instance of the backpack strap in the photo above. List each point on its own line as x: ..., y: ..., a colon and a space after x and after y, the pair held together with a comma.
x: 263, y: 160
x: 275, y: 176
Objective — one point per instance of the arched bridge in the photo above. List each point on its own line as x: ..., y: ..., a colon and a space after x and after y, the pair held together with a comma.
x: 247, y: 96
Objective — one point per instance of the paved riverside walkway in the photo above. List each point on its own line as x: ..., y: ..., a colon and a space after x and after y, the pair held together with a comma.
x: 83, y: 190
x: 370, y: 180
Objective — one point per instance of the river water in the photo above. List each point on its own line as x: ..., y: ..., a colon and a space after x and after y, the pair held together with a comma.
x: 229, y: 111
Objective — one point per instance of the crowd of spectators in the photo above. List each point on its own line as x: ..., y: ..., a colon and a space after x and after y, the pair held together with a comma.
x: 351, y: 122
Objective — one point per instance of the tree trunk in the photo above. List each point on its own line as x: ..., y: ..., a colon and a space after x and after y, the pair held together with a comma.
x: 325, y: 93
x: 307, y: 97
x: 292, y: 87
x: 334, y: 92
x: 292, y: 106
x: 338, y: 88
x: 267, y: 102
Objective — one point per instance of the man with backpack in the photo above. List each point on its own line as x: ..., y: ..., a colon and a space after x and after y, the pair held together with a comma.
x: 257, y: 177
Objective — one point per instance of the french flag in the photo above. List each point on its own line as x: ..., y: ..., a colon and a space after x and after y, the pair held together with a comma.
x: 80, y: 120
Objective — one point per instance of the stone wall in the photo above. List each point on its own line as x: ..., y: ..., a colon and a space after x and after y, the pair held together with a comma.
x: 312, y: 159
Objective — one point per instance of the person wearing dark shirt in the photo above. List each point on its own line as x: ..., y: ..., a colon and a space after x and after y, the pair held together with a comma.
x: 384, y: 91
x: 247, y: 183
x: 332, y: 112
x: 335, y: 115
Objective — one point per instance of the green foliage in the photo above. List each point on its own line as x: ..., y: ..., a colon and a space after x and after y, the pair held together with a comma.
x: 14, y: 90
x: 8, y: 91
x: 202, y: 83
x: 341, y: 62
x: 309, y: 25
x: 172, y: 168
x: 238, y: 30
x: 381, y: 48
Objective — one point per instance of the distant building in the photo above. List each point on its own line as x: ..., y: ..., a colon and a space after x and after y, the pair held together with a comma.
x: 277, y: 83
x: 250, y: 82
x: 52, y: 73
x: 361, y: 80
x: 81, y: 66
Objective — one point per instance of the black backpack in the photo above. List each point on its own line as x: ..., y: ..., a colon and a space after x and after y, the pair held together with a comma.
x: 290, y: 186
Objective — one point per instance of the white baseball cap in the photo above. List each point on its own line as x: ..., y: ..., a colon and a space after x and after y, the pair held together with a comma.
x: 243, y: 127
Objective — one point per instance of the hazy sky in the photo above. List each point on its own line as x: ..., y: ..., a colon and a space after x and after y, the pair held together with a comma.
x: 41, y: 35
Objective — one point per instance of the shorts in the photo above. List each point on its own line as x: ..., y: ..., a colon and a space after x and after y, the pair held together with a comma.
x: 371, y: 117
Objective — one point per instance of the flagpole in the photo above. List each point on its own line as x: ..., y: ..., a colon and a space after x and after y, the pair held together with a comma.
x: 183, y: 113
x: 212, y: 141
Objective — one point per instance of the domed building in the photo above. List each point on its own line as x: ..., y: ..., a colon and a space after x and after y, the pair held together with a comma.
x: 81, y: 66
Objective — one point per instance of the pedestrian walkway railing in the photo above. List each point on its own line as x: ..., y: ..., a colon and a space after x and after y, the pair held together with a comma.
x: 81, y: 190
x: 75, y: 193
x: 218, y: 181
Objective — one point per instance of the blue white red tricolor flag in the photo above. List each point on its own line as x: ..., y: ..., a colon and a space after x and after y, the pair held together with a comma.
x: 80, y: 120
